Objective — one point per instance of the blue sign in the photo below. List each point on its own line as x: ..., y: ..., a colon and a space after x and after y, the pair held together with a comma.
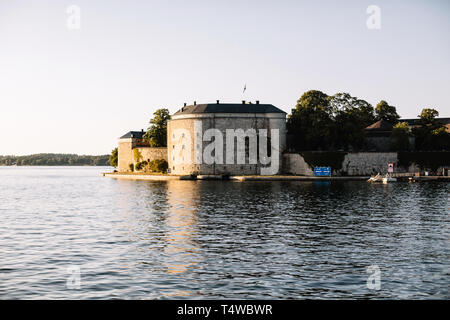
x: 322, y: 171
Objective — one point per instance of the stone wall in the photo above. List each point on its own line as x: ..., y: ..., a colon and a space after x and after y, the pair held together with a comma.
x: 179, y: 146
x: 126, y: 154
x: 363, y: 163
x: 293, y: 163
x: 367, y: 163
x: 184, y: 153
x: 150, y: 154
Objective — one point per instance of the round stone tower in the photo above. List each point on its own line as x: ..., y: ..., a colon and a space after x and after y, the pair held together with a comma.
x: 226, y: 139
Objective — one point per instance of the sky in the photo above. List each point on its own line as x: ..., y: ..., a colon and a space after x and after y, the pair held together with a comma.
x: 69, y: 87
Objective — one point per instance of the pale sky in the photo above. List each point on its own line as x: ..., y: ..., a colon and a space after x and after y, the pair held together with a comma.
x: 76, y: 91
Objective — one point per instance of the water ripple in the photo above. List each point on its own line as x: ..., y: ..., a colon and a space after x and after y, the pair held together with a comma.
x: 214, y: 240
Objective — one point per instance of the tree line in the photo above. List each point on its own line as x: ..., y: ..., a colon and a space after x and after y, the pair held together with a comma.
x: 55, y: 159
x: 337, y: 122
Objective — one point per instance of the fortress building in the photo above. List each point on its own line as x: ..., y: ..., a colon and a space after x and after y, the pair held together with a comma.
x: 215, y: 139
x: 226, y: 139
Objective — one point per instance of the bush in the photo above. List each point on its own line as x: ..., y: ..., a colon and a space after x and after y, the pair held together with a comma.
x: 140, y: 165
x: 131, y: 167
x: 158, y: 165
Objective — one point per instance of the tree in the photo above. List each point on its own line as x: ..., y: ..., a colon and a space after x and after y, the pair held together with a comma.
x: 384, y: 111
x: 158, y: 165
x: 137, y: 155
x: 351, y: 115
x: 430, y: 132
x: 399, y: 140
x: 156, y: 134
x: 428, y: 117
x: 141, y: 165
x: 310, y: 122
x: 344, y: 102
x: 440, y: 139
x: 114, y: 157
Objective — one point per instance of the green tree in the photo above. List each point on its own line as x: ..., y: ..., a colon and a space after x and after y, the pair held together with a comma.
x: 430, y: 133
x: 399, y: 140
x: 310, y: 123
x: 141, y: 166
x: 351, y: 115
x: 344, y: 102
x: 156, y: 134
x: 384, y: 111
x: 137, y: 155
x: 440, y: 139
x: 114, y: 157
x: 158, y: 165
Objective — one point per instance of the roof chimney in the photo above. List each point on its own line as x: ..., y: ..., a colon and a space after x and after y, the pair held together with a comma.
x: 257, y: 101
x: 217, y: 101
x: 243, y: 101
x: 195, y: 103
x: 142, y: 130
x: 185, y: 104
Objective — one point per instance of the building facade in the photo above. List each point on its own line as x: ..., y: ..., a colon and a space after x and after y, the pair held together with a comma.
x: 226, y: 139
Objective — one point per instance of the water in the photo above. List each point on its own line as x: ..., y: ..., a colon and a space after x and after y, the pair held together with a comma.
x: 215, y: 240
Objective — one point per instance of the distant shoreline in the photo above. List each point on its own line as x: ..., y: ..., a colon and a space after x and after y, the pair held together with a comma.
x: 54, y: 159
x: 57, y: 165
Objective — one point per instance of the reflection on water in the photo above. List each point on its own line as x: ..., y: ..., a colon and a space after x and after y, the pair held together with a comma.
x: 181, y: 221
x: 209, y: 239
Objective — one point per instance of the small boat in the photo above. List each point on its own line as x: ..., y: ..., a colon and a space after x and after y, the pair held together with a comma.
x: 376, y: 178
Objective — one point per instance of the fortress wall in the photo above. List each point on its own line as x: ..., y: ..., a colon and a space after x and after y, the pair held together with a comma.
x: 364, y: 163
x: 175, y: 151
x: 367, y: 163
x: 222, y: 122
x: 293, y: 163
x: 150, y: 154
x: 125, y: 155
